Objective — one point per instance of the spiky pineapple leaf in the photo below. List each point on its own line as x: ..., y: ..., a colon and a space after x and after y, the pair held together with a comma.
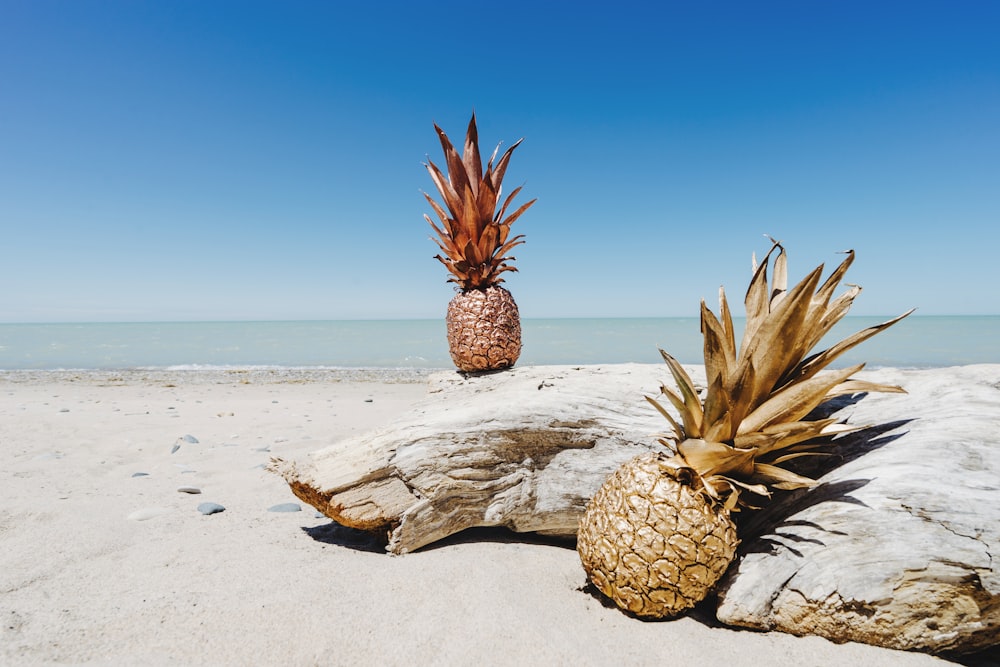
x: 757, y: 299
x: 772, y: 349
x: 795, y: 401
x: 692, y: 408
x: 780, y: 478
x: 473, y: 235
x: 821, y: 360
x: 711, y: 458
x: 678, y: 429
x: 852, y: 386
x: 473, y: 165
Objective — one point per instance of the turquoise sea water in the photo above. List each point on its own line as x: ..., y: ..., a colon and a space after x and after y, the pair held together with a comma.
x: 916, y: 342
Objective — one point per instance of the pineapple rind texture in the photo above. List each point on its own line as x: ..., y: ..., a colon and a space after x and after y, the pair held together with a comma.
x: 652, y: 542
x: 484, y: 330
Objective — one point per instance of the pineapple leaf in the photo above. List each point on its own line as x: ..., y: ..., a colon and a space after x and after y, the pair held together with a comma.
x: 794, y: 401
x: 690, y: 421
x: 441, y: 214
x: 451, y: 199
x: 501, y: 166
x: 456, y: 168
x: 852, y: 386
x: 678, y: 429
x: 472, y: 163
x: 821, y: 360
x: 729, y: 334
x: 756, y: 300
x: 772, y: 348
x: 780, y: 478
x: 692, y: 403
x: 780, y: 280
x: 717, y: 419
x: 716, y: 458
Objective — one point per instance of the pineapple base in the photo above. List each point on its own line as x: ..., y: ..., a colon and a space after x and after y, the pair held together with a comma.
x: 484, y: 330
x: 651, y: 542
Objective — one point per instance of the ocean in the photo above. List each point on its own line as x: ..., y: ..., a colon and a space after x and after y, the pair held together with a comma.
x: 916, y: 342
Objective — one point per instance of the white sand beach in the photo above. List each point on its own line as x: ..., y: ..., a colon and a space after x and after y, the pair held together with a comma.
x: 105, y: 561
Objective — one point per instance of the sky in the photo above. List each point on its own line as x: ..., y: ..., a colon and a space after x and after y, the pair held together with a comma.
x: 191, y: 160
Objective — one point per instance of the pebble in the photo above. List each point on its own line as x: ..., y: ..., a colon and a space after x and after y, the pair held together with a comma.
x: 190, y: 438
x: 194, y: 490
x: 64, y: 410
x: 147, y: 513
x: 174, y: 448
x: 369, y: 400
x: 140, y: 474
x: 211, y: 508
x: 285, y: 507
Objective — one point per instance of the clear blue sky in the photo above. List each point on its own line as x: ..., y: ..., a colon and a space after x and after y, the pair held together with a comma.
x: 191, y: 160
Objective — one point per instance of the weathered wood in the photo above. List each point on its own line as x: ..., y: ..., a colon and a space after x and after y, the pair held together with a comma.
x: 524, y: 448
x: 899, y: 545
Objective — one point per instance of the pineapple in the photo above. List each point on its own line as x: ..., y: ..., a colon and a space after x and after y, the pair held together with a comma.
x: 484, y: 327
x: 659, y: 534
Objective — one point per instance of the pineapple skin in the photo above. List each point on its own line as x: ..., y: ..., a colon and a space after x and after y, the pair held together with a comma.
x: 484, y: 329
x: 651, y: 542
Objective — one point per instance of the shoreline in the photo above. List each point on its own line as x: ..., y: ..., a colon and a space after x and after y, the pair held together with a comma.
x: 226, y: 375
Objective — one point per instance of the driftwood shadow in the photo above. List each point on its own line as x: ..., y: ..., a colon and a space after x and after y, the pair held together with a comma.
x: 351, y: 538
x: 359, y: 540
x: 499, y: 535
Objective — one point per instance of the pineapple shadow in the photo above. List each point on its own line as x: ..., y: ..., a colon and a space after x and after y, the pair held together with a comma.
x: 703, y: 612
x: 755, y: 526
x: 335, y: 534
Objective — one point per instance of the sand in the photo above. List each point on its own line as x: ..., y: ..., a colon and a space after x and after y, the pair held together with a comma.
x: 82, y: 582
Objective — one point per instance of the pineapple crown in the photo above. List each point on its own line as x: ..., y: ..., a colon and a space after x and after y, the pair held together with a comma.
x: 474, y: 237
x: 754, y: 414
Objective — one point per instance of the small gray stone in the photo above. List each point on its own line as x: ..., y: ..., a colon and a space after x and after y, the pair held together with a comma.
x: 210, y: 508
x: 64, y: 410
x: 194, y: 490
x: 285, y: 507
x: 190, y: 438
x: 140, y: 474
x: 174, y: 448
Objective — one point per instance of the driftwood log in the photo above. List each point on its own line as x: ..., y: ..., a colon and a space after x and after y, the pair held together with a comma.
x: 524, y: 448
x: 899, y: 546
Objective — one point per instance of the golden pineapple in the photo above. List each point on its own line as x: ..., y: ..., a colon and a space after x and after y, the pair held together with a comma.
x: 484, y: 327
x: 658, y: 535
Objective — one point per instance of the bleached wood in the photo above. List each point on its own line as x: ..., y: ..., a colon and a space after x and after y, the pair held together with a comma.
x: 524, y: 448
